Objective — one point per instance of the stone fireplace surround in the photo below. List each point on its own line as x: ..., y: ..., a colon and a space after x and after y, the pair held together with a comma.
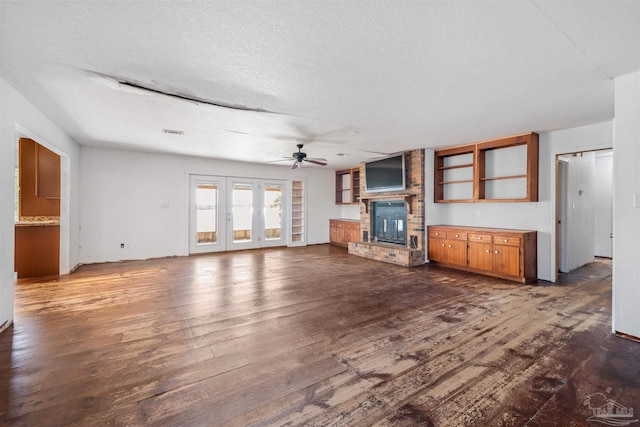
x: 413, y: 252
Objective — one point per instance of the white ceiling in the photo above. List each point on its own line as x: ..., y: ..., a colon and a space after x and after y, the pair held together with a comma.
x: 353, y: 77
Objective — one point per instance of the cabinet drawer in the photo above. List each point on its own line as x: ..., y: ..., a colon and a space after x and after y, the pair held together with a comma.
x: 456, y: 235
x: 353, y: 225
x: 484, y: 238
x: 506, y: 240
x: 333, y: 224
x: 437, y: 233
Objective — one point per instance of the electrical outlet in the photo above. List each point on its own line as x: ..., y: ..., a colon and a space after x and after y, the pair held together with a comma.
x: 164, y: 205
x: 121, y: 245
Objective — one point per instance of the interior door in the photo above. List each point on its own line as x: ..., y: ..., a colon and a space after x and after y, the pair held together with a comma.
x: 603, y: 230
x: 207, y: 228
x: 562, y: 208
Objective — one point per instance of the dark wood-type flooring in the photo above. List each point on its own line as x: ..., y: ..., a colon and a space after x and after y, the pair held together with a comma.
x: 310, y: 336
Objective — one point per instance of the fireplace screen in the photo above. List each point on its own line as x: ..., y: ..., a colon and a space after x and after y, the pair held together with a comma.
x: 389, y: 222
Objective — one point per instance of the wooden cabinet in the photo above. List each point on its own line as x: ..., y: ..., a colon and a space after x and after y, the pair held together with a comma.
x: 348, y: 186
x: 37, y: 250
x: 509, y: 254
x: 502, y: 170
x: 39, y: 170
x: 343, y: 231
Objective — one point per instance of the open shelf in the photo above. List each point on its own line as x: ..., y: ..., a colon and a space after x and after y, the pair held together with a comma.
x: 502, y: 170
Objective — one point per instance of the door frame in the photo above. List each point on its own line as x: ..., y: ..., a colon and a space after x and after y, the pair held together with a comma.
x: 554, y: 155
x: 225, y: 215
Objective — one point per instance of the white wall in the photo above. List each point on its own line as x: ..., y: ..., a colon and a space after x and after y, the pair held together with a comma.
x: 350, y: 212
x: 626, y: 205
x: 538, y: 216
x: 19, y: 118
x: 121, y: 194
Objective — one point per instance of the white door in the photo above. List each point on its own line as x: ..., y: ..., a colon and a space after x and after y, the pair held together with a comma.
x: 562, y: 203
x: 207, y: 211
x: 603, y: 229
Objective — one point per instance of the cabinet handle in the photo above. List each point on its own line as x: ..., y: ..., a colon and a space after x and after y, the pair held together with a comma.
x: 479, y: 238
x: 497, y: 252
x: 457, y: 235
x: 437, y: 234
x: 443, y: 245
x: 450, y: 246
x: 506, y: 240
x: 488, y: 251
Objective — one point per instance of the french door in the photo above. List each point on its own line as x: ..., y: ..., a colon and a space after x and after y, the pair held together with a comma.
x: 229, y: 213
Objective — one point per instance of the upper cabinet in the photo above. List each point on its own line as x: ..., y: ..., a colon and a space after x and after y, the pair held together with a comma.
x: 348, y: 186
x: 39, y: 182
x: 503, y: 170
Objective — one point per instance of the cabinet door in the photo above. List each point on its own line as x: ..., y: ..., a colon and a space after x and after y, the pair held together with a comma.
x: 437, y: 250
x: 456, y: 252
x: 506, y: 260
x: 481, y: 256
x: 353, y: 235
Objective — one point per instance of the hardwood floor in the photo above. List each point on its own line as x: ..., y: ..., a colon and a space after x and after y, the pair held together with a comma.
x: 310, y: 336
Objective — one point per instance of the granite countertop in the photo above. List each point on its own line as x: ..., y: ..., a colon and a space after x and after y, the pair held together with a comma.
x: 38, y: 221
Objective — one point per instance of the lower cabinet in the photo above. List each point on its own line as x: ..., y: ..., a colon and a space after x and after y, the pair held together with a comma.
x: 343, y: 231
x: 37, y: 250
x: 505, y: 253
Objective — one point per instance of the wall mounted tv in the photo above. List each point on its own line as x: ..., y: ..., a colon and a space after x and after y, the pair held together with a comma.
x: 386, y: 174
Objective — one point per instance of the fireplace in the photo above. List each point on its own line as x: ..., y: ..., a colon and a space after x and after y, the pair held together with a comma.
x: 389, y: 222
x: 392, y: 223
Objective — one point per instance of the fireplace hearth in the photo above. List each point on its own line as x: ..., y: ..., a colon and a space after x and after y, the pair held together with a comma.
x: 389, y: 222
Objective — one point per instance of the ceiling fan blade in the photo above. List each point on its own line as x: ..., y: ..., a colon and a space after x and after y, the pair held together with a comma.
x: 284, y: 159
x: 321, y: 162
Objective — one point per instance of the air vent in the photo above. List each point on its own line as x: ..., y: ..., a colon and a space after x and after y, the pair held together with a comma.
x: 173, y: 131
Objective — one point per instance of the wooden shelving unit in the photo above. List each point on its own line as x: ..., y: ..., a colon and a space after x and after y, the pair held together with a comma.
x: 503, y: 170
x: 348, y: 186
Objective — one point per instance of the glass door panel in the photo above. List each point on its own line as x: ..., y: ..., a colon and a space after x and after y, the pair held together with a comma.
x: 243, y: 217
x: 242, y: 212
x: 207, y: 213
x: 207, y: 230
x: 274, y: 214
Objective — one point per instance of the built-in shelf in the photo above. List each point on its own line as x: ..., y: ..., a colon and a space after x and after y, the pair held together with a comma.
x: 502, y: 170
x: 297, y: 212
x: 348, y: 186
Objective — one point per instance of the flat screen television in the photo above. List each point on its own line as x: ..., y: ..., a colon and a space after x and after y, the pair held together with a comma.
x: 386, y: 174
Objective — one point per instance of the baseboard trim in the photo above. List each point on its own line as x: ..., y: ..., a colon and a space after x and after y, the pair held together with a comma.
x: 627, y: 336
x: 5, y: 325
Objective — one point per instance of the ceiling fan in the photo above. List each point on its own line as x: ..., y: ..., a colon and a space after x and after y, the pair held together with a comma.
x: 300, y: 157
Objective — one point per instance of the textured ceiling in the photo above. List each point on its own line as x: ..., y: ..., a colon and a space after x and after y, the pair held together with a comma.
x: 248, y: 80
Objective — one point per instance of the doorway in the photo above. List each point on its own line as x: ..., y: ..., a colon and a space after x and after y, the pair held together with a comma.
x: 584, y: 208
x: 230, y: 213
x: 37, y: 210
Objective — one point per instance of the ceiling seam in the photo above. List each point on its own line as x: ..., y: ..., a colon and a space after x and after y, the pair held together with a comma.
x: 573, y: 42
